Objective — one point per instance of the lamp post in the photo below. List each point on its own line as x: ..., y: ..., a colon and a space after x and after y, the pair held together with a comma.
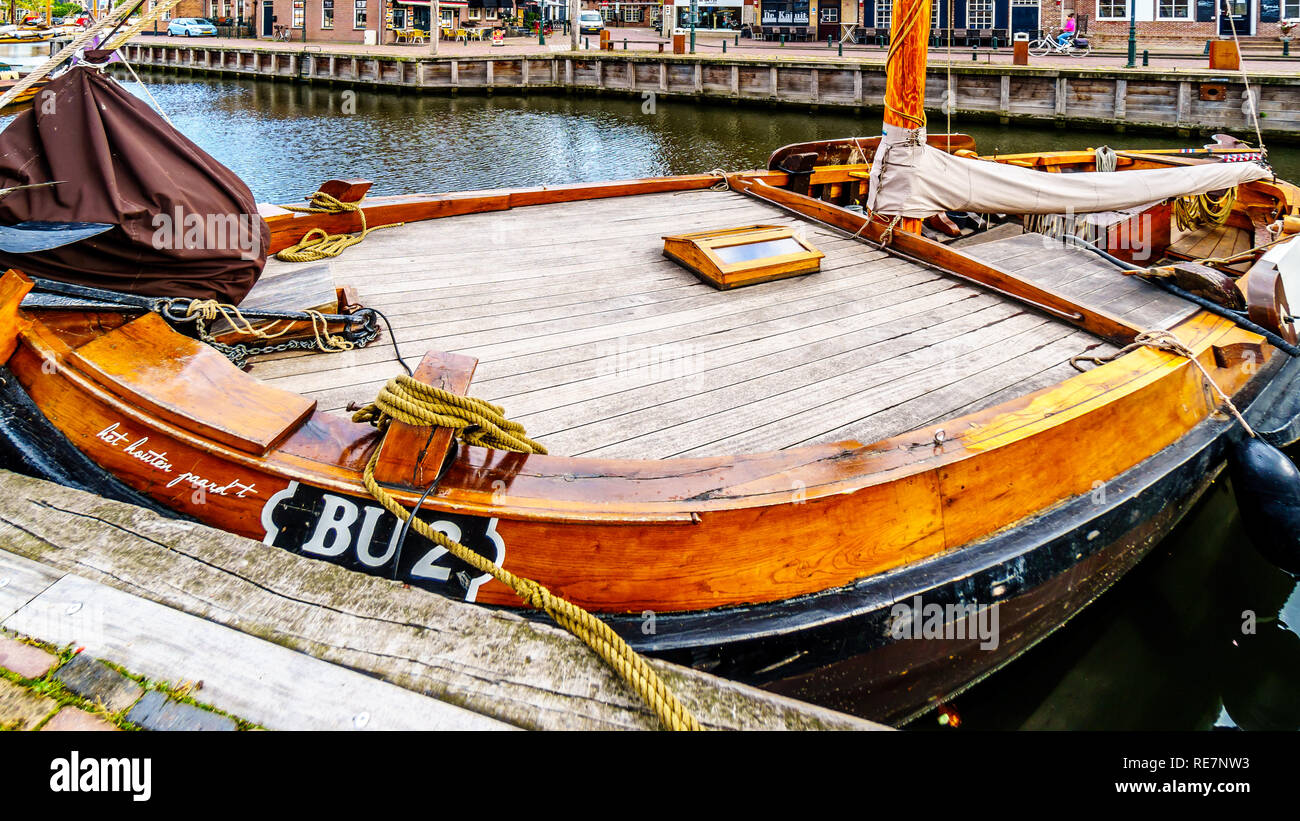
x: 1132, y: 34
x: 695, y: 15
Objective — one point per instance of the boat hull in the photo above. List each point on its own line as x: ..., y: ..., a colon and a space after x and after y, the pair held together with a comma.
x: 845, y: 648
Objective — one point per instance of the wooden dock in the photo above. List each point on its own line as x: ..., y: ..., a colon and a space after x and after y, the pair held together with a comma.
x: 1114, y: 99
x: 293, y: 643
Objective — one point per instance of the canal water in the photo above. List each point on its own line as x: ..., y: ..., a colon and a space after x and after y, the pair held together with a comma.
x: 1165, y: 649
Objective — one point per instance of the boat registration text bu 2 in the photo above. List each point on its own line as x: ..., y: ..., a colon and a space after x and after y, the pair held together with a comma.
x: 360, y: 535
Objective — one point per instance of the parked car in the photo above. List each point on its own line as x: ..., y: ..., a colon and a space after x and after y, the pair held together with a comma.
x: 191, y: 27
x: 590, y: 22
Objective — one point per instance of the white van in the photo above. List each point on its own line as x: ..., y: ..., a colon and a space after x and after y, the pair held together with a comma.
x: 590, y: 22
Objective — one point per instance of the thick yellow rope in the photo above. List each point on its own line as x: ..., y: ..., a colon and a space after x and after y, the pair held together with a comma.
x: 318, y: 244
x: 480, y: 422
x: 1196, y: 210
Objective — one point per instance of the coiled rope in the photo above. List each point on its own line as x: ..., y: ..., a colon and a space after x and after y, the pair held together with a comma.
x: 1168, y: 342
x: 318, y: 244
x: 1195, y: 210
x: 479, y: 422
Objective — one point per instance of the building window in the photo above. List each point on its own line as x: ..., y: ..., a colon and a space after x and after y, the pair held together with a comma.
x: 632, y: 14
x: 327, y: 14
x: 1112, y: 9
x: 829, y: 15
x: 884, y: 8
x: 359, y: 14
x: 1290, y: 9
x: 299, y: 13
x: 1174, y: 10
x: 979, y: 14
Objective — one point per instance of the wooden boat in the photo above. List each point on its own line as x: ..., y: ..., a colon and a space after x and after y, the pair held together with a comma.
x: 751, y: 480
x: 23, y: 97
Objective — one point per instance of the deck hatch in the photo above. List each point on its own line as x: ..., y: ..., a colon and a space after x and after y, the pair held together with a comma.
x: 732, y: 257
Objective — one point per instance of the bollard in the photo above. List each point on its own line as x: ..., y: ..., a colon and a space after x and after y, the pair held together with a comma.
x: 1286, y: 48
x: 830, y: 41
x: 995, y: 42
x: 1206, y: 53
x: 586, y: 42
x: 737, y: 39
x: 724, y: 46
x: 974, y: 55
x: 625, y: 44
x: 1146, y: 57
x: 783, y: 41
x: 840, y: 50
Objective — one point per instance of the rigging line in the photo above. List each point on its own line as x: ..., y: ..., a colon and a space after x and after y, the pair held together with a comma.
x: 152, y: 99
x: 1245, y: 80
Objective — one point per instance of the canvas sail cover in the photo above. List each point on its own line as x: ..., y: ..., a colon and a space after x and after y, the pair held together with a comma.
x: 183, y: 224
x: 912, y: 179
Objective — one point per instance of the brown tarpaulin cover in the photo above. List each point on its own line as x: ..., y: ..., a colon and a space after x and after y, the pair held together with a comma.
x: 185, y: 224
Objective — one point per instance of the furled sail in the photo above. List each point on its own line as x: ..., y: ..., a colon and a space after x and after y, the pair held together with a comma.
x: 88, y: 151
x: 912, y: 179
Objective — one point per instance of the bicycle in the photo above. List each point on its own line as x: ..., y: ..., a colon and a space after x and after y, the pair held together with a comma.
x: 282, y: 33
x: 1048, y: 45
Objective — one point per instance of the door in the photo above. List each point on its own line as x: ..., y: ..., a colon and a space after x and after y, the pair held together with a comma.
x: 828, y: 20
x: 268, y: 18
x: 1024, y: 17
x: 1235, y: 14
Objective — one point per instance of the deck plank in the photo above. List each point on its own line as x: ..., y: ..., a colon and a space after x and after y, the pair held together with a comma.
x: 603, y: 347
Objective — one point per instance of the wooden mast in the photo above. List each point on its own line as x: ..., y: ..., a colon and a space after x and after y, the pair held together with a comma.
x: 905, y: 74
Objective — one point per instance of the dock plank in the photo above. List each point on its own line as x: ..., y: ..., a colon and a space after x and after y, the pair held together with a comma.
x: 247, y: 676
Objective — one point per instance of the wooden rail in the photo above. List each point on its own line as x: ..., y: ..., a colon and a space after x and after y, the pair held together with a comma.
x: 1115, y: 99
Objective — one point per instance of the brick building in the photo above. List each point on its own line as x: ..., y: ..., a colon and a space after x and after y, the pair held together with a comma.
x: 1184, y: 22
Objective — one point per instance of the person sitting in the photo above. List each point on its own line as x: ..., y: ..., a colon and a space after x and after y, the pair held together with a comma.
x: 1067, y: 33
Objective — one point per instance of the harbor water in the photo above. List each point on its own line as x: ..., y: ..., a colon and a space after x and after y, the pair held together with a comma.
x: 1164, y: 649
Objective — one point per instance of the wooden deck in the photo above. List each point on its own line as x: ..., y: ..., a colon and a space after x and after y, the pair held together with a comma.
x: 602, y: 347
x: 1084, y: 276
x: 1218, y: 241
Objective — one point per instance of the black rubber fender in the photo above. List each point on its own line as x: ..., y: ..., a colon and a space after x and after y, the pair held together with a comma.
x: 1267, y: 486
